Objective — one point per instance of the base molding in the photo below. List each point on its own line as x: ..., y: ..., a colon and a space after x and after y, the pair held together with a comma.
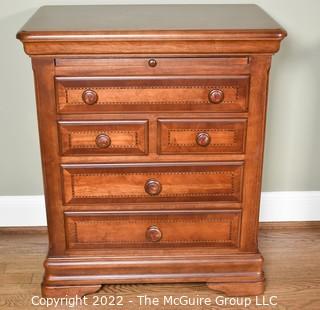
x: 235, y: 274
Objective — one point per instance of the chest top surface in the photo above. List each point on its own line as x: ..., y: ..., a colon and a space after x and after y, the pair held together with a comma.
x: 223, y: 28
x: 129, y: 18
x: 150, y: 17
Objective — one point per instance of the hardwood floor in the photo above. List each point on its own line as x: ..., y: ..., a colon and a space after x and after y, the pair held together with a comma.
x: 292, y: 268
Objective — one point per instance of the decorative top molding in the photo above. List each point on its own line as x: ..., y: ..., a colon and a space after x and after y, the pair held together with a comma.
x: 220, y: 29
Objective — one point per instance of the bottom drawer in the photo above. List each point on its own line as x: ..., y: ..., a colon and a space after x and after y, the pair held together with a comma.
x: 104, y: 230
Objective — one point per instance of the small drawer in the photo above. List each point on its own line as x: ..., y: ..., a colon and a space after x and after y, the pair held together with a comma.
x: 102, y: 230
x: 103, y: 137
x: 152, y: 182
x: 142, y: 66
x: 143, y: 94
x: 201, y: 136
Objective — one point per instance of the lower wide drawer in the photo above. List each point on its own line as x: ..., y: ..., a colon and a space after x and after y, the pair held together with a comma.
x: 153, y: 182
x: 103, y: 230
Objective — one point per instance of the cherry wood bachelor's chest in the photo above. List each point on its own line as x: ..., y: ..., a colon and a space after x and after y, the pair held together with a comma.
x: 151, y: 122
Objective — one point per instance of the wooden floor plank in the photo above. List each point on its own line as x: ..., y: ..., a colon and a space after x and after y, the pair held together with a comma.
x: 32, y: 266
x: 16, y: 278
x: 37, y: 278
x: 2, y: 267
x: 291, y: 265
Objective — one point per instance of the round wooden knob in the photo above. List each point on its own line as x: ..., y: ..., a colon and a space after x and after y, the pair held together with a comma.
x: 216, y: 96
x: 153, y: 187
x: 89, y: 96
x: 103, y: 140
x: 203, y: 139
x: 152, y: 62
x: 153, y: 234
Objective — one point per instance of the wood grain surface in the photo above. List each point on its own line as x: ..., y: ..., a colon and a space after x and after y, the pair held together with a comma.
x: 181, y: 60
x: 291, y: 265
x: 154, y: 17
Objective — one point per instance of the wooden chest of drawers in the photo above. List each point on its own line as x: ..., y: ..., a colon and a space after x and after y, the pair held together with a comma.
x: 151, y: 123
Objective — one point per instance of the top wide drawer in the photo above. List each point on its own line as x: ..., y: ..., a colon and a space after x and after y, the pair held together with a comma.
x: 156, y: 94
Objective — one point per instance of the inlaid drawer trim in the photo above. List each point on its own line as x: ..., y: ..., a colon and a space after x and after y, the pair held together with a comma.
x: 165, y: 91
x: 128, y: 137
x: 106, y: 94
x: 98, y: 230
x: 127, y: 182
x: 179, y: 136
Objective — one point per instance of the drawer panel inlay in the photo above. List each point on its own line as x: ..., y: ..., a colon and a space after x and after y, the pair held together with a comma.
x: 100, y: 230
x: 185, y: 136
x: 104, y: 137
x: 102, y: 94
x: 154, y: 182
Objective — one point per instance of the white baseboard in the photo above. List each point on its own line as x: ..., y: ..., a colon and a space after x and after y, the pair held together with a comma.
x: 290, y: 206
x: 22, y: 211
x: 275, y: 207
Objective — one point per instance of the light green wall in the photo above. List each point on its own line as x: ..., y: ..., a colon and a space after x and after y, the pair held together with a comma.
x: 293, y: 130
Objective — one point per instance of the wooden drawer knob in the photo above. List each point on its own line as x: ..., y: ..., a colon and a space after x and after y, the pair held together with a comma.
x: 153, y: 187
x: 203, y: 139
x: 152, y: 63
x: 89, y: 96
x: 216, y: 96
x: 103, y: 140
x: 153, y: 234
